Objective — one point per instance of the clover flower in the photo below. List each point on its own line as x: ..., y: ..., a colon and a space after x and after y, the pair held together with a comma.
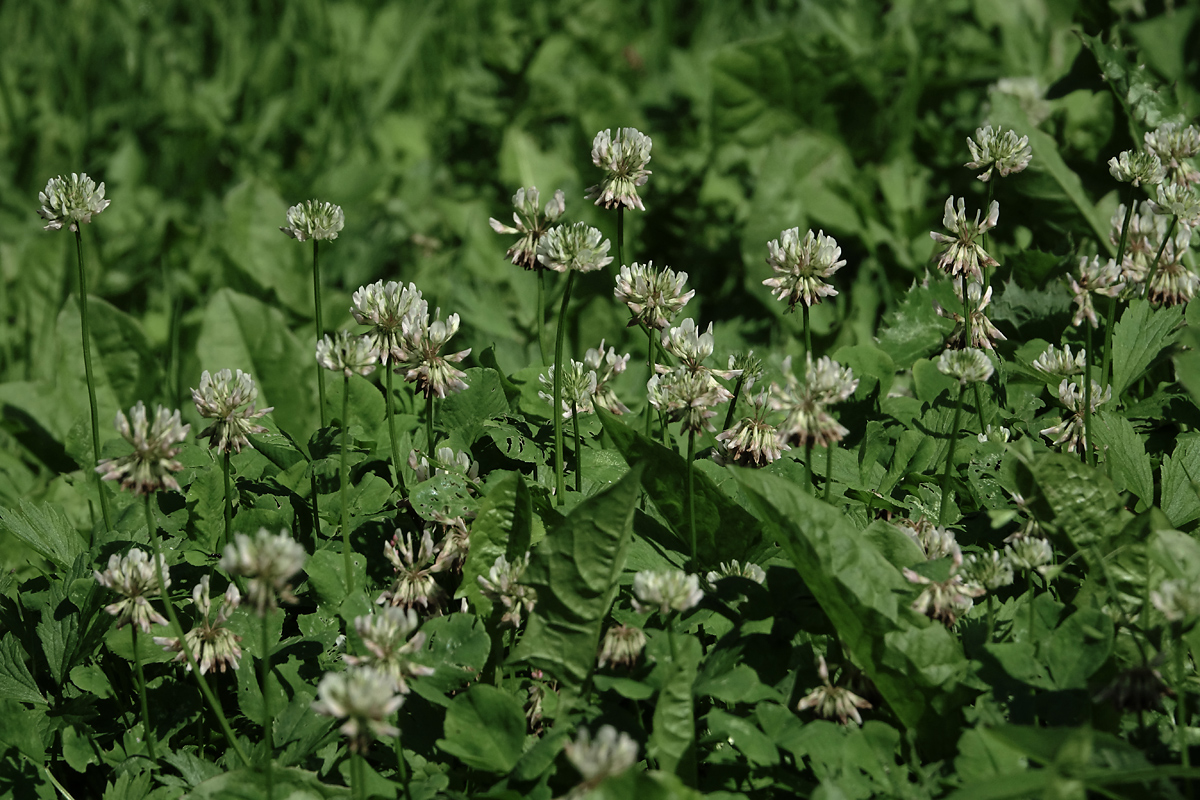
x: 1177, y: 600
x: 735, y: 569
x: 654, y: 295
x: 415, y: 568
x: 802, y: 265
x: 991, y: 571
x: 531, y: 225
x: 935, y: 541
x: 606, y: 366
x: 969, y: 365
x: 946, y: 600
x: 213, y: 645
x: 998, y: 150
x: 314, y: 219
x: 221, y: 398
x: 455, y: 546
x: 347, y: 353
x: 829, y: 701
x: 964, y: 255
x: 808, y: 420
x: 1179, y: 200
x: 578, y: 386
x: 1174, y: 283
x: 983, y: 332
x: 574, y: 248
x: 752, y: 441
x: 269, y: 561
x: 1058, y: 363
x: 1174, y: 144
x: 828, y: 380
x: 535, y: 704
x: 446, y: 460
x: 1028, y: 552
x: 148, y: 468
x: 503, y: 585
x: 384, y: 306
x: 999, y: 434
x: 71, y: 201
x: 385, y: 634
x: 623, y: 158
x: 136, y: 577
x: 1071, y: 431
x: 623, y: 644
x: 747, y: 366
x: 666, y: 591
x: 1137, y: 168
x: 1146, y: 232
x: 609, y: 754
x: 364, y: 698
x: 421, y: 359
x: 687, y: 396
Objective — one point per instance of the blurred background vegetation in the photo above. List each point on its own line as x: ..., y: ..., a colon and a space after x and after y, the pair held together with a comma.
x: 206, y: 119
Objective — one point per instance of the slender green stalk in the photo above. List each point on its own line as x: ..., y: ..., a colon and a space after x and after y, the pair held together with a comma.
x: 991, y: 617
x: 979, y: 407
x: 1088, y: 457
x: 91, y: 382
x: 691, y: 496
x: 187, y: 648
x: 268, y: 723
x: 541, y: 312
x: 558, y: 348
x: 402, y: 767
x: 312, y: 480
x: 1158, y: 257
x: 962, y: 388
x: 1181, y: 704
x: 737, y: 391
x: 391, y: 422
x: 620, y: 236
x: 141, y: 680
x: 991, y: 191
x: 828, y: 469
x: 320, y: 332
x: 578, y: 449
x: 966, y: 312
x: 650, y: 364
x: 807, y: 333
x: 347, y: 554
x: 1112, y: 301
x: 228, y: 499
x: 1029, y: 594
x: 429, y: 423
x: 358, y: 788
x: 810, y: 485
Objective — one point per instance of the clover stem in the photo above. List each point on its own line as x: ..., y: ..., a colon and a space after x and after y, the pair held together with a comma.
x: 828, y: 469
x: 402, y: 766
x: 737, y: 390
x: 1158, y: 257
x: 268, y: 725
x: 356, y: 775
x: 320, y: 332
x: 429, y: 420
x: 391, y: 422
x: 650, y: 365
x: 1088, y: 458
x: 691, y: 495
x: 1112, y: 301
x: 141, y: 680
x: 91, y: 381
x: 228, y: 498
x: 578, y: 450
x: 807, y: 334
x: 810, y: 485
x: 620, y: 236
x: 541, y: 312
x: 558, y: 348
x: 347, y: 555
x: 962, y: 388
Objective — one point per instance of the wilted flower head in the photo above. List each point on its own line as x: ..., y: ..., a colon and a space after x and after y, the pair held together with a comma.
x: 1071, y: 431
x: 982, y: 332
x: 1179, y: 200
x: 610, y: 753
x: 1028, y: 552
x: 990, y: 571
x: 314, y: 219
x: 148, y: 468
x: 364, y: 698
x: 935, y: 541
x: 221, y: 398
x: 1058, y: 363
x: 968, y: 365
x: 687, y: 396
x: 1178, y: 600
x: 829, y: 701
x: 1094, y: 278
x: 654, y: 294
x: 802, y: 265
x: 415, y: 567
x: 669, y: 590
x: 347, y: 353
x: 964, y: 255
x: 998, y: 150
x: 623, y: 158
x: 384, y: 306
x: 71, y: 201
x: 269, y: 561
x: 212, y: 644
x: 1137, y: 168
x: 578, y: 384
x: 735, y: 569
x: 530, y: 224
x: 385, y: 634
x: 1175, y: 144
x: 136, y: 577
x: 420, y: 357
x: 752, y: 441
x: 807, y: 418
x: 503, y: 585
x: 747, y: 366
x: 1137, y: 689
x: 946, y: 600
x: 1174, y: 283
x: 578, y: 248
x: 622, y: 644
x: 606, y: 366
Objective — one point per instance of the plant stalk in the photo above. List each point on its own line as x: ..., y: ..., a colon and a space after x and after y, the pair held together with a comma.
x: 391, y: 422
x: 141, y: 679
x: 1158, y: 257
x: 828, y: 469
x: 347, y: 555
x: 320, y: 332
x: 620, y: 236
x: 807, y: 333
x: 1112, y: 301
x: 228, y: 499
x: 1088, y: 457
x: 811, y: 484
x: 578, y: 449
x: 268, y: 723
x: 429, y: 422
x: 962, y: 388
x: 650, y: 364
x: 402, y: 767
x: 560, y: 338
x: 541, y: 312
x: 691, y: 496
x: 91, y: 381
x: 737, y: 391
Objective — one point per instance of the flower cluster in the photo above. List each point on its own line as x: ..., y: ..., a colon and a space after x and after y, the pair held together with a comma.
x: 666, y: 591
x: 420, y: 355
x: 213, y: 645
x: 1056, y: 363
x: 314, y: 219
x: 574, y: 248
x: 136, y: 577
x: 1137, y: 168
x: 1175, y: 145
x: 1094, y: 278
x: 623, y: 644
x: 71, y: 201
x: 229, y: 401
x: 945, y: 600
x: 530, y: 224
x: 151, y: 464
x: 347, y: 353
x: 623, y: 158
x: 503, y: 585
x: 385, y: 633
x: 269, y: 561
x: 610, y: 753
x: 654, y: 295
x: 966, y: 366
x: 808, y: 420
x: 364, y: 697
x: 752, y: 441
x: 964, y: 255
x: 998, y: 150
x: 829, y: 701
x: 384, y: 306
x: 1070, y: 431
x: 415, y: 567
x: 802, y: 265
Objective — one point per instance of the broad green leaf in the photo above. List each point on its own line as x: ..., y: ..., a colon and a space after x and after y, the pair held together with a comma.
x: 673, y: 735
x: 249, y: 783
x: 457, y: 648
x: 192, y: 768
x: 724, y: 531
x: 1079, y: 500
x: 1140, y: 335
x: 1143, y: 98
x: 652, y: 785
x: 446, y: 495
x: 981, y: 758
x: 1078, y: 648
x: 575, y: 571
x: 485, y: 729
x: 743, y: 734
x: 914, y: 330
x: 23, y: 729
x: 1125, y: 453
x: 15, y: 681
x: 1181, y: 482
x: 266, y: 261
x: 45, y: 528
x: 464, y: 414
x: 871, y: 365
x: 502, y: 527
x: 918, y: 666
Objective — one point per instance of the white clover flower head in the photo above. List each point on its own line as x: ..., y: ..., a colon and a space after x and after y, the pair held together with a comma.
x: 213, y: 645
x: 503, y: 585
x: 752, y: 441
x: 829, y: 701
x: 362, y: 696
x: 148, y: 468
x: 421, y: 359
x: 983, y: 333
x: 1094, y: 278
x: 447, y: 460
x: 415, y: 567
x: 347, y: 353
x: 998, y: 150
x: 314, y: 219
x: 530, y: 224
x: 969, y: 365
x: 385, y: 633
x: 623, y: 645
x: 1058, y: 363
x: 687, y: 396
x: 935, y: 541
x: 384, y: 306
x: 964, y: 255
x: 1179, y: 200
x: 998, y: 434
x: 735, y: 569
x: 1175, y: 144
x: 609, y: 754
x: 574, y: 248
x: 748, y: 366
x: 136, y: 577
x: 607, y: 366
x: 828, y: 380
x: 1178, y: 600
x: 455, y: 546
x: 802, y: 265
x: 623, y: 158
x: 946, y: 600
x: 654, y: 295
x: 268, y: 561
x: 578, y: 386
x: 1072, y: 431
x: 807, y: 418
x: 666, y: 591
x: 1137, y: 168
x: 221, y: 398
x: 688, y: 344
x: 1175, y: 283
x: 991, y: 571
x: 1028, y: 553
x: 71, y: 201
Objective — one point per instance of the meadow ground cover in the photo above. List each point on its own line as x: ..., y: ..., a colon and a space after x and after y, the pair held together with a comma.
x: 562, y: 400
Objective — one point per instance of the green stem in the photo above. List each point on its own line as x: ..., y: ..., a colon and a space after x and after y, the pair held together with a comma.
x: 650, y: 364
x: 737, y: 391
x: 228, y: 500
x: 429, y: 422
x: 807, y: 333
x: 402, y: 767
x: 962, y: 388
x: 1029, y: 594
x: 1181, y: 704
x: 828, y: 469
x: 194, y: 668
x: 966, y: 312
x: 578, y: 450
x: 541, y: 313
x: 141, y: 679
x: 1088, y: 458
x: 979, y: 407
x: 620, y: 236
x: 268, y: 724
x: 320, y: 333
x: 347, y: 555
x: 691, y: 496
x: 1112, y: 301
x: 991, y: 191
x: 558, y: 348
x: 391, y: 422
x: 810, y: 485
x: 91, y: 381
x: 991, y: 617
x: 357, y: 789
x: 1158, y: 257
x: 312, y: 480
